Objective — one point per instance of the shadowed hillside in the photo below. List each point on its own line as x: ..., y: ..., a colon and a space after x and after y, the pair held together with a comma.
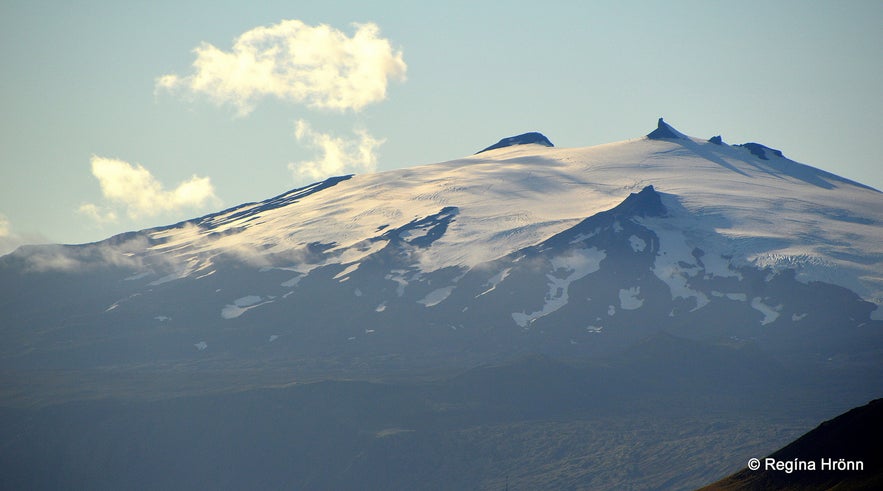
x: 853, y: 437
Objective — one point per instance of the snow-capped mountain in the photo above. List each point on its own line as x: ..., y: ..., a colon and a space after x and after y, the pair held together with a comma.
x: 520, y: 247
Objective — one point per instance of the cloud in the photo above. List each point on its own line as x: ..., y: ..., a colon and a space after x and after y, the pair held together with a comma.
x: 97, y: 213
x: 135, y: 188
x: 121, y: 253
x: 10, y: 240
x: 338, y: 155
x: 319, y: 66
x: 5, y: 226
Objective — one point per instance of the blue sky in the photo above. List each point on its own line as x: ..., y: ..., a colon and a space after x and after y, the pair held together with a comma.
x: 94, y: 141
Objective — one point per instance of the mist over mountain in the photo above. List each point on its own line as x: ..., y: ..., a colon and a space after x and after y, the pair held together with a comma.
x: 524, y: 289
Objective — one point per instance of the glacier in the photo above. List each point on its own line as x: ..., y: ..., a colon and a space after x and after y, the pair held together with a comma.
x: 523, y: 235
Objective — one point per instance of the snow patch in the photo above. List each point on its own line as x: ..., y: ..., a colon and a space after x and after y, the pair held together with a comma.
x: 582, y: 237
x: 344, y: 274
x: 191, y: 266
x: 638, y: 244
x: 717, y: 265
x: 770, y: 314
x: 243, y: 305
x: 573, y: 267
x: 292, y: 282
x: 740, y: 297
x: 674, y: 262
x: 436, y: 297
x: 415, y: 233
x: 494, y: 281
x: 398, y: 276
x: 628, y: 298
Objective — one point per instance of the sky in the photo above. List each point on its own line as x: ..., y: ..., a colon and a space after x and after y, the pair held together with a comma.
x: 120, y: 116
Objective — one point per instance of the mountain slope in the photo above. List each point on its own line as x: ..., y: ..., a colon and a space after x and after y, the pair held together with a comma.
x: 853, y: 437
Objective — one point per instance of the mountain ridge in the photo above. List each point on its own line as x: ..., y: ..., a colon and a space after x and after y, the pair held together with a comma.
x: 530, y: 138
x: 455, y: 184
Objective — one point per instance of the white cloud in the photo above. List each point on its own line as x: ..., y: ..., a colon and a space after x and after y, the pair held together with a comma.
x: 292, y: 61
x: 10, y: 240
x: 5, y: 226
x: 97, y: 213
x: 338, y: 155
x: 56, y: 257
x: 135, y: 188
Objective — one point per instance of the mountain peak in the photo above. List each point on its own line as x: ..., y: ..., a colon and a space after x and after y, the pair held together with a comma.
x: 761, y: 151
x: 522, y: 139
x: 645, y: 203
x: 665, y: 131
